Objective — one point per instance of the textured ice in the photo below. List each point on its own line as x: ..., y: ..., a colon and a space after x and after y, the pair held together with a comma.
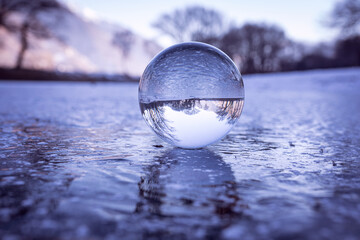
x: 289, y: 170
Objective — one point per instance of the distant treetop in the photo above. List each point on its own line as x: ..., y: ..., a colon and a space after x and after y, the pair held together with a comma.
x: 346, y: 16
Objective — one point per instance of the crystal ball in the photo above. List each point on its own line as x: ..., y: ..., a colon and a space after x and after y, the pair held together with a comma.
x: 191, y: 94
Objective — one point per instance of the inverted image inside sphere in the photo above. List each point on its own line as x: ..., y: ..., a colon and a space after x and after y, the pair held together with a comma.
x: 191, y: 95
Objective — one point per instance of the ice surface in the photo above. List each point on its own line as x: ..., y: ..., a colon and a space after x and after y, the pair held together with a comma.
x: 77, y: 161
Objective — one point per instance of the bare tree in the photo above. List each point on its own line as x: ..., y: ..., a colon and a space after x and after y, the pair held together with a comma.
x: 347, y: 51
x: 193, y: 23
x: 30, y: 24
x: 123, y: 40
x: 259, y: 46
x: 346, y: 16
x: 231, y: 42
x: 291, y: 55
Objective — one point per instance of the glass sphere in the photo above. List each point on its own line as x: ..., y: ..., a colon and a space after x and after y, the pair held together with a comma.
x: 191, y: 94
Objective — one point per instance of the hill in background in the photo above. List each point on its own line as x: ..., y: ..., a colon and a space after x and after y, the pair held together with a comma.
x: 78, y: 44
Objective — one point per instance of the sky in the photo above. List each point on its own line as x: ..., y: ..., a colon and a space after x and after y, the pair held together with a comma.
x: 302, y: 20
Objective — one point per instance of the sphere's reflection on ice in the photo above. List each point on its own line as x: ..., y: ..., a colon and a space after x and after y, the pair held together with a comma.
x: 187, y: 182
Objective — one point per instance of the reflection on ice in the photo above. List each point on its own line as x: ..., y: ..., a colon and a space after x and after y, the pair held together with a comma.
x: 187, y: 182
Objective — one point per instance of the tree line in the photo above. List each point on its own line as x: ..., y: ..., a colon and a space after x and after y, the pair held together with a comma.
x: 254, y: 47
x: 263, y: 47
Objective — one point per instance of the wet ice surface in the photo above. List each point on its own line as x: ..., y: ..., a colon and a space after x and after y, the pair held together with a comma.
x: 77, y: 161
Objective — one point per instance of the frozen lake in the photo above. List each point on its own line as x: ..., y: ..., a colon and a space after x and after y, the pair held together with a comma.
x: 77, y: 161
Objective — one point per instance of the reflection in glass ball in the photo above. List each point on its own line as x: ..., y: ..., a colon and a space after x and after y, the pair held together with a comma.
x: 191, y: 94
